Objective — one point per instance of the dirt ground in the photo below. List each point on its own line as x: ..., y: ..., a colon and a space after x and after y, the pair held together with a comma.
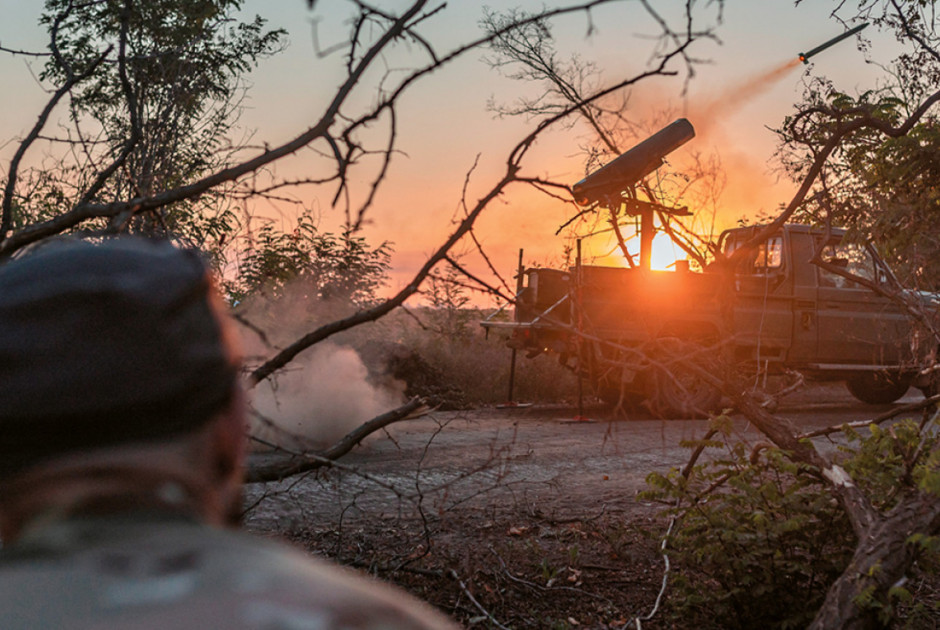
x: 521, y: 517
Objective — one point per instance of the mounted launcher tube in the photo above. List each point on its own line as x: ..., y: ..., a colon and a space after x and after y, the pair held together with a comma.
x: 804, y: 57
x: 605, y: 185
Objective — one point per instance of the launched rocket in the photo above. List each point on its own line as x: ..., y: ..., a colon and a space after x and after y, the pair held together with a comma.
x: 835, y: 40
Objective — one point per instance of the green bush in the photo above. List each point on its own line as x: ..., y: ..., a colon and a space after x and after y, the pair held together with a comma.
x: 758, y: 538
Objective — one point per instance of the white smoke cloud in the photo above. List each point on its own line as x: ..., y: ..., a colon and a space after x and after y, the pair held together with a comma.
x: 325, y: 392
x: 320, y: 397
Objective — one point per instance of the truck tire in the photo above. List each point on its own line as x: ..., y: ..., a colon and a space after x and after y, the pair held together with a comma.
x: 676, y: 390
x: 878, y: 388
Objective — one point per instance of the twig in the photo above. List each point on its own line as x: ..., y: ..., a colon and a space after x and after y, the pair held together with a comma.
x: 545, y: 589
x: 697, y: 453
x: 463, y: 587
x: 888, y: 415
x: 662, y: 588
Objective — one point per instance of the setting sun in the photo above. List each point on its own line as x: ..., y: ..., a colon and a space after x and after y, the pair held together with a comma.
x: 665, y: 253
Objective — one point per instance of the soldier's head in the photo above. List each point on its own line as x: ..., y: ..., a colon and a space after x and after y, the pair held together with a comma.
x: 118, y: 379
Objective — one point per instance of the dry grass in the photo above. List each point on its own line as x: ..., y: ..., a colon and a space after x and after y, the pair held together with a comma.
x: 479, y: 366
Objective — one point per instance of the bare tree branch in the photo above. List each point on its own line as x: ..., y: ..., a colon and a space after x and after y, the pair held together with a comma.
x: 290, y: 466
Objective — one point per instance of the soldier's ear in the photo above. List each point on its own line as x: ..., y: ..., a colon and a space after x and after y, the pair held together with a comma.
x: 230, y: 440
x: 227, y: 446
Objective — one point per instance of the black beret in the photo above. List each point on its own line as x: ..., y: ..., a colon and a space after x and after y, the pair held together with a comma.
x: 106, y: 343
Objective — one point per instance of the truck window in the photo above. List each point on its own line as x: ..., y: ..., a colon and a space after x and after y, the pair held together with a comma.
x: 769, y: 255
x: 854, y: 259
x: 767, y: 258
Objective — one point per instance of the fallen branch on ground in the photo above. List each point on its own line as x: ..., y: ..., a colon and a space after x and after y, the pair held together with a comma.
x: 297, y: 463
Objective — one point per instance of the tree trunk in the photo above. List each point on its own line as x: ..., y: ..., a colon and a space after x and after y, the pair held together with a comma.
x: 882, y: 558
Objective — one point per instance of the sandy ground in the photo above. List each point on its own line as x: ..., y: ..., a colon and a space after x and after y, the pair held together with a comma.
x: 538, y: 456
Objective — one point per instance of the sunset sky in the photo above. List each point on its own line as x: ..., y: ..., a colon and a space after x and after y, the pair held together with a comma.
x: 445, y: 124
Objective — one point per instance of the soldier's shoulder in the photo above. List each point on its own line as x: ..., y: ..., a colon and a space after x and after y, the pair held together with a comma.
x: 355, y: 600
x: 174, y: 574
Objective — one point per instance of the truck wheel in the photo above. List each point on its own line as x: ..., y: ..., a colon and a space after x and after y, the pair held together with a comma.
x: 678, y: 391
x: 878, y: 388
x: 931, y: 387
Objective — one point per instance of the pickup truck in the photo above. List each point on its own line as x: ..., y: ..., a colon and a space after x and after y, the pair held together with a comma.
x: 629, y: 331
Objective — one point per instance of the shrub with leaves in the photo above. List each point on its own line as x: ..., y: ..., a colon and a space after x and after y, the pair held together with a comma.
x: 322, y: 265
x: 892, y: 460
x: 758, y: 539
x: 450, y: 311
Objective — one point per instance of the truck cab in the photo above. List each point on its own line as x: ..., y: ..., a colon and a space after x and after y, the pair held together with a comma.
x: 801, y: 315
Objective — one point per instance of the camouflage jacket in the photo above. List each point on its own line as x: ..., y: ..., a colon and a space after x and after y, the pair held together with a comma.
x: 161, y: 571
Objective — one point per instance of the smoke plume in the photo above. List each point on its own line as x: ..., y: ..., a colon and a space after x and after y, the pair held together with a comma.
x: 325, y: 392
x: 724, y: 105
x: 319, y: 398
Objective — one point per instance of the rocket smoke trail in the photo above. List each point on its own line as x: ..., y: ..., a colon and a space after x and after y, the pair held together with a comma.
x: 710, y: 111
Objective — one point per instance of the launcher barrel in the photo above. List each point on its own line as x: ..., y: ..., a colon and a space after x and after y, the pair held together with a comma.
x: 606, y: 183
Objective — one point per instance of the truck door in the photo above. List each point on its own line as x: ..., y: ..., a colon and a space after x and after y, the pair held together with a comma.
x: 763, y: 315
x: 856, y: 324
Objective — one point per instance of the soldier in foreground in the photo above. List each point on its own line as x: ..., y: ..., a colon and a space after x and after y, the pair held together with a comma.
x: 122, y: 443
